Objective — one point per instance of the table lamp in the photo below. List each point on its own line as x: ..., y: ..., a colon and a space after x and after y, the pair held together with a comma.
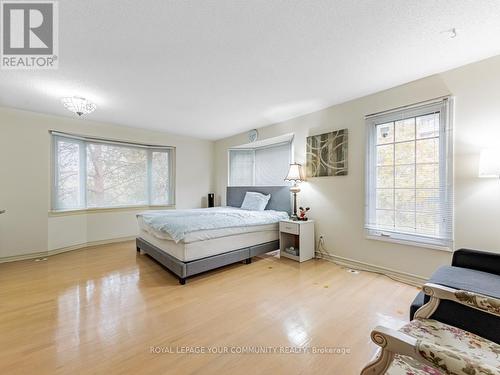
x: 295, y: 175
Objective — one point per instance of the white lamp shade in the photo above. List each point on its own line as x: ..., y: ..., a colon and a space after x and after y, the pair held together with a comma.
x: 489, y: 163
x: 295, y: 173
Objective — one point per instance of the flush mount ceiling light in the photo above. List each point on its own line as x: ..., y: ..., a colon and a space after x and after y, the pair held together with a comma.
x: 80, y: 106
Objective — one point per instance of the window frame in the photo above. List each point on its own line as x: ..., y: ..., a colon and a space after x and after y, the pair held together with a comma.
x: 254, y: 149
x: 445, y: 239
x: 82, y: 141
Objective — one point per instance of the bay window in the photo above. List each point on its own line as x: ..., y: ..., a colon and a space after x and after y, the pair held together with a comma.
x: 93, y: 173
x: 260, y: 166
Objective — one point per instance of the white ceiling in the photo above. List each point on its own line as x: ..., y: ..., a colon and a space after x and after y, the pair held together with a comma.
x: 213, y: 68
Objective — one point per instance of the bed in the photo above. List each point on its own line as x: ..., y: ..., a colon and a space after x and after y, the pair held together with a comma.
x: 189, y: 253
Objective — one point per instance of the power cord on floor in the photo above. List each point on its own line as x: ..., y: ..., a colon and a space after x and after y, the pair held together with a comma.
x: 320, y: 249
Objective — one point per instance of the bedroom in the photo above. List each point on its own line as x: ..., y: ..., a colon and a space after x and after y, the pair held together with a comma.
x: 224, y: 97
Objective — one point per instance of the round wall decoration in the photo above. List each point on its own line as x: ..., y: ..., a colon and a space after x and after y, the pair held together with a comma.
x: 253, y: 135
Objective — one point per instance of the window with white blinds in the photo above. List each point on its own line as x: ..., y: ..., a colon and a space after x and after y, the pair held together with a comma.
x: 262, y: 166
x: 96, y: 173
x: 409, y: 174
x: 241, y: 167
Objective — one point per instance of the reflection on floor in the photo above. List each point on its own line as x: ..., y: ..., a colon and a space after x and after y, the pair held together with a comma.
x: 106, y: 309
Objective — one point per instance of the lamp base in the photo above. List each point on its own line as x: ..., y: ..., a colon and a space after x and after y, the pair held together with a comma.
x: 294, y: 189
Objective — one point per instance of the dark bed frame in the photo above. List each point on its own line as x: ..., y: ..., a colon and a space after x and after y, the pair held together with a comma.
x: 280, y: 201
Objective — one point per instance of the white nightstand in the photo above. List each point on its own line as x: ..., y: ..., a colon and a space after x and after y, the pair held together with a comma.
x: 299, y: 234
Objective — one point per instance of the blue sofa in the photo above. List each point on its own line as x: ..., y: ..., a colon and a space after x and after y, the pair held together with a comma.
x: 475, y: 271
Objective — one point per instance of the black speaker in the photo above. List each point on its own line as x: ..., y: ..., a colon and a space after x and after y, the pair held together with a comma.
x: 211, y: 200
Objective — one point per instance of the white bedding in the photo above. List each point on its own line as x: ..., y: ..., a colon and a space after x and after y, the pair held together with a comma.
x: 204, y: 235
x: 207, y: 223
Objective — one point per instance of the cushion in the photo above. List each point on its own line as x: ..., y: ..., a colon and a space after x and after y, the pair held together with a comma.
x: 403, y: 365
x: 448, y: 348
x: 457, y: 340
x: 477, y: 260
x: 467, y: 279
x: 454, y: 314
x: 255, y: 201
x: 454, y: 362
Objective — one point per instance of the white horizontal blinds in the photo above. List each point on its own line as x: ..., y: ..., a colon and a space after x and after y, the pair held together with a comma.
x: 241, y: 167
x: 69, y: 178
x: 409, y: 174
x: 116, y: 175
x: 161, y: 177
x: 262, y: 166
x: 91, y: 173
x: 271, y: 164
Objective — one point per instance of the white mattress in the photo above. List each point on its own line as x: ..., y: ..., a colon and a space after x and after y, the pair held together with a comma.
x: 201, y: 249
x: 209, y: 234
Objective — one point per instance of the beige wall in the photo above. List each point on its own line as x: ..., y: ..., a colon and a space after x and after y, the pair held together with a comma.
x: 25, y: 182
x: 337, y: 203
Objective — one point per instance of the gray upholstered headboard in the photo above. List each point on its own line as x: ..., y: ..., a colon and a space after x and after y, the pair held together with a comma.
x: 280, y: 196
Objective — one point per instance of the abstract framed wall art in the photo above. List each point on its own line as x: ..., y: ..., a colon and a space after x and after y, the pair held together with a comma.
x: 326, y: 154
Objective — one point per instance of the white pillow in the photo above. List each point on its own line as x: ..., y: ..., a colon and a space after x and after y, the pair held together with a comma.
x: 255, y: 201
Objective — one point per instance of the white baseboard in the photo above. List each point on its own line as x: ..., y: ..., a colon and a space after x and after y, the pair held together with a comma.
x: 48, y: 253
x: 15, y: 258
x: 404, y: 277
x: 408, y: 278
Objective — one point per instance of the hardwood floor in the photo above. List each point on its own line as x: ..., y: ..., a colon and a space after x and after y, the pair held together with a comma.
x: 102, y: 310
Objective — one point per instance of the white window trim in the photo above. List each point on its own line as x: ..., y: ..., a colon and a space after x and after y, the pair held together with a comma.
x: 407, y: 242
x: 446, y: 134
x: 83, y: 166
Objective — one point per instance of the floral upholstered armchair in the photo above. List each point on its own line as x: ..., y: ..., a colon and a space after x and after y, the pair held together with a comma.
x: 428, y: 347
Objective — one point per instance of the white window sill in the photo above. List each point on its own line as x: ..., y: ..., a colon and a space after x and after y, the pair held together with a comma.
x: 85, y: 211
x: 408, y: 243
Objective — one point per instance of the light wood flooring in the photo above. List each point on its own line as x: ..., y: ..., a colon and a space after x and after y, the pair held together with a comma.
x: 101, y: 310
